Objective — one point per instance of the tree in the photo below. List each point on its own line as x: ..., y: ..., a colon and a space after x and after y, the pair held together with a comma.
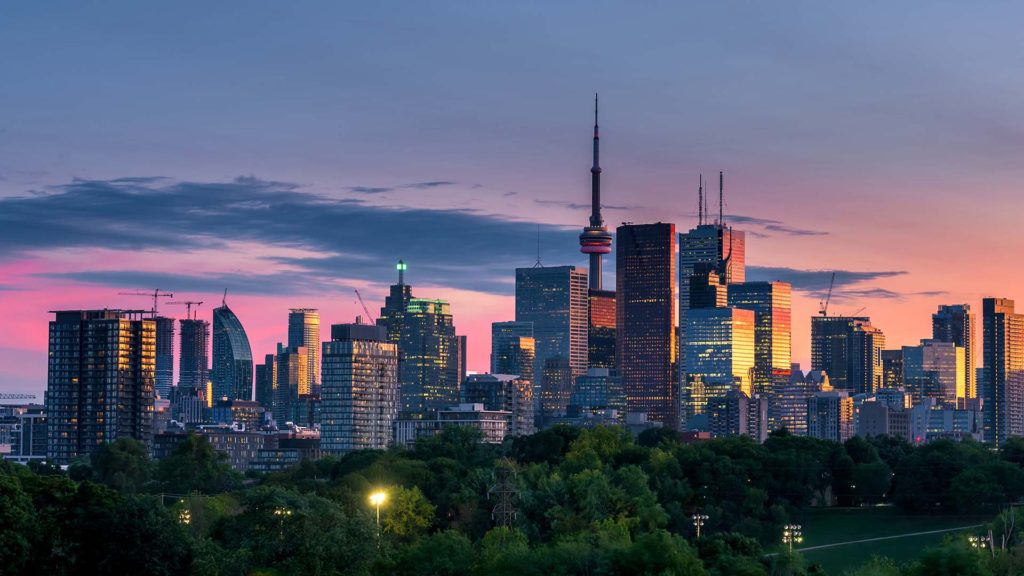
x: 447, y: 553
x: 195, y: 466
x: 124, y: 465
x: 407, y: 514
x: 655, y: 554
x: 18, y: 526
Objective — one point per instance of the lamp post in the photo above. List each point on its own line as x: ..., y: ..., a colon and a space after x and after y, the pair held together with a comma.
x: 791, y: 533
x: 376, y: 499
x: 979, y: 542
x: 698, y: 522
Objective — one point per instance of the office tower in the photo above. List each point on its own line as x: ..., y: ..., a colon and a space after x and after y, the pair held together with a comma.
x: 461, y: 352
x: 892, y: 368
x: 598, y: 395
x: 849, y: 350
x: 554, y: 300
x: 830, y: 415
x: 1003, y: 356
x: 645, y: 319
x: 595, y: 241
x: 266, y: 382
x: 771, y: 303
x: 601, y: 329
x: 737, y: 414
x: 232, y: 357
x: 706, y: 288
x: 955, y: 323
x: 395, y: 303
x: 164, y: 355
x: 292, y: 383
x: 790, y: 401
x: 359, y: 389
x: 101, y: 381
x: 502, y: 392
x: 428, y: 366
x: 720, y: 356
x: 935, y: 369
x: 556, y: 387
x: 511, y: 343
x: 193, y: 362
x: 304, y: 330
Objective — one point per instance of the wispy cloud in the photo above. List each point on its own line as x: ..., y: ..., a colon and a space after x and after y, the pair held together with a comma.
x: 413, y: 186
x: 579, y: 206
x: 816, y: 282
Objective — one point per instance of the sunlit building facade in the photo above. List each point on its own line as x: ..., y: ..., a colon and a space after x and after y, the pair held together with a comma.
x: 720, y: 355
x: 935, y: 369
x: 830, y: 415
x: 646, y: 303
x: 101, y: 381
x: 232, y: 357
x: 956, y: 323
x: 554, y: 300
x: 601, y: 329
x: 1003, y: 355
x: 359, y: 389
x: 772, y: 304
x: 304, y: 330
x: 292, y: 383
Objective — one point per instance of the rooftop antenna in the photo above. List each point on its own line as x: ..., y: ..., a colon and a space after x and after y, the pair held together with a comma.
x: 538, y: 264
x: 700, y: 200
x: 721, y: 203
x: 401, y: 274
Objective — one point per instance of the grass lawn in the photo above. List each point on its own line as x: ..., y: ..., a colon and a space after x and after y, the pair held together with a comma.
x: 830, y: 525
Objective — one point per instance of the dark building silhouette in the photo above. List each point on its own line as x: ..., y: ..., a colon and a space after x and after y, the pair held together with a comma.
x: 1003, y: 355
x: 164, y: 355
x: 849, y: 350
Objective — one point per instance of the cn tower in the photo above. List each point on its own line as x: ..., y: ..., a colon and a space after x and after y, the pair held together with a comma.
x: 595, y: 239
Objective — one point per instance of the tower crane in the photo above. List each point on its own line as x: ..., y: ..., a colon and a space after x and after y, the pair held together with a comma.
x: 156, y: 294
x: 824, y: 304
x: 188, y: 304
x: 365, y: 309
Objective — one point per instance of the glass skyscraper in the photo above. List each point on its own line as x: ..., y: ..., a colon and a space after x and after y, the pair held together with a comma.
x: 646, y: 322
x: 554, y: 300
x: 101, y: 381
x: 771, y: 303
x: 935, y: 369
x: 304, y: 330
x: 601, y: 331
x: 429, y: 366
x: 849, y: 350
x: 232, y: 357
x: 512, y: 349
x: 193, y: 359
x: 360, y: 389
x: 1003, y: 355
x: 720, y: 355
x: 266, y: 382
x: 956, y: 323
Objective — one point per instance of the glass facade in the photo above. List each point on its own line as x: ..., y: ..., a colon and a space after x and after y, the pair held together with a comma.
x: 502, y: 392
x: 720, y: 355
x: 935, y: 369
x: 266, y: 382
x: 646, y: 319
x: 772, y: 305
x: 164, y: 355
x: 193, y: 359
x: 359, y: 389
x: 304, y: 330
x: 849, y: 350
x: 1003, y: 355
x: 956, y: 324
x: 101, y: 381
x: 232, y: 357
x: 601, y: 329
x: 429, y: 367
x: 292, y: 381
x: 596, y: 394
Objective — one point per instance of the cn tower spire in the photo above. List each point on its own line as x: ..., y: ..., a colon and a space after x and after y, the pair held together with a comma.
x: 595, y: 239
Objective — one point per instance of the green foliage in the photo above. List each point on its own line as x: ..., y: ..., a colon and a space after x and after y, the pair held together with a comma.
x: 18, y: 526
x: 952, y: 559
x: 657, y: 553
x: 877, y: 566
x: 195, y: 466
x: 407, y: 514
x: 124, y: 465
x: 447, y: 553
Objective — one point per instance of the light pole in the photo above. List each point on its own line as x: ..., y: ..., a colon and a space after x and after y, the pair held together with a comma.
x: 978, y: 542
x: 376, y: 499
x: 791, y: 534
x: 698, y: 522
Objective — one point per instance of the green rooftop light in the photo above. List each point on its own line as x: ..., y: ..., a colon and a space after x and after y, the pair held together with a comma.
x: 401, y: 266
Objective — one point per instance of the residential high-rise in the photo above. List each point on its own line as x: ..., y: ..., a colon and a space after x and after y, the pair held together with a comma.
x: 556, y: 388
x: 429, y: 363
x: 849, y: 350
x: 266, y: 382
x: 193, y: 359
x: 292, y: 383
x: 892, y: 368
x: 955, y: 323
x: 359, y: 389
x: 646, y: 307
x: 1003, y: 355
x: 935, y: 369
x: 232, y: 357
x: 737, y: 414
x: 771, y: 303
x: 720, y: 356
x: 554, y: 300
x: 304, y: 330
x: 502, y: 392
x: 790, y: 400
x: 101, y: 381
x: 830, y: 415
x: 461, y: 352
x: 164, y: 355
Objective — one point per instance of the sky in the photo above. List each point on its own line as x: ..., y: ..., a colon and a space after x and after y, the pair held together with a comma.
x: 292, y: 152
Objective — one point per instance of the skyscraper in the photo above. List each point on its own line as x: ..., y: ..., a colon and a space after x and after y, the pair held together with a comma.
x: 506, y: 343
x: 193, y: 361
x: 601, y: 329
x: 892, y: 368
x: 556, y: 388
x: 955, y: 323
x: 266, y: 382
x: 935, y: 369
x: 395, y: 303
x: 1003, y: 355
x: 554, y: 300
x: 360, y: 389
x: 292, y: 383
x: 232, y: 357
x: 429, y: 365
x: 790, y: 400
x: 849, y: 350
x: 164, y: 355
x: 720, y: 356
x: 830, y: 415
x: 304, y: 330
x: 645, y: 319
x: 771, y: 303
x: 101, y: 381
x: 598, y: 395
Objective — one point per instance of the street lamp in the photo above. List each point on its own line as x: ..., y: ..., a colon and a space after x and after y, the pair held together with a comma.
x: 978, y: 541
x: 376, y: 499
x: 698, y: 521
x: 791, y: 534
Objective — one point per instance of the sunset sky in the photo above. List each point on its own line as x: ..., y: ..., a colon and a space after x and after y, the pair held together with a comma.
x: 293, y: 151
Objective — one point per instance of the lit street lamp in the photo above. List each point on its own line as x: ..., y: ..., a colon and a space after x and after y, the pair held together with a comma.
x: 376, y: 499
x: 698, y: 522
x: 978, y: 541
x: 791, y: 534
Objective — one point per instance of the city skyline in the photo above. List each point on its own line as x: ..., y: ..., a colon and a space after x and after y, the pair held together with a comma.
x: 804, y: 200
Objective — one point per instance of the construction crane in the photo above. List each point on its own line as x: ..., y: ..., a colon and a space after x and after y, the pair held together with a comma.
x: 824, y: 304
x: 188, y: 307
x: 156, y: 295
x: 862, y: 308
x: 11, y: 396
x: 365, y: 309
